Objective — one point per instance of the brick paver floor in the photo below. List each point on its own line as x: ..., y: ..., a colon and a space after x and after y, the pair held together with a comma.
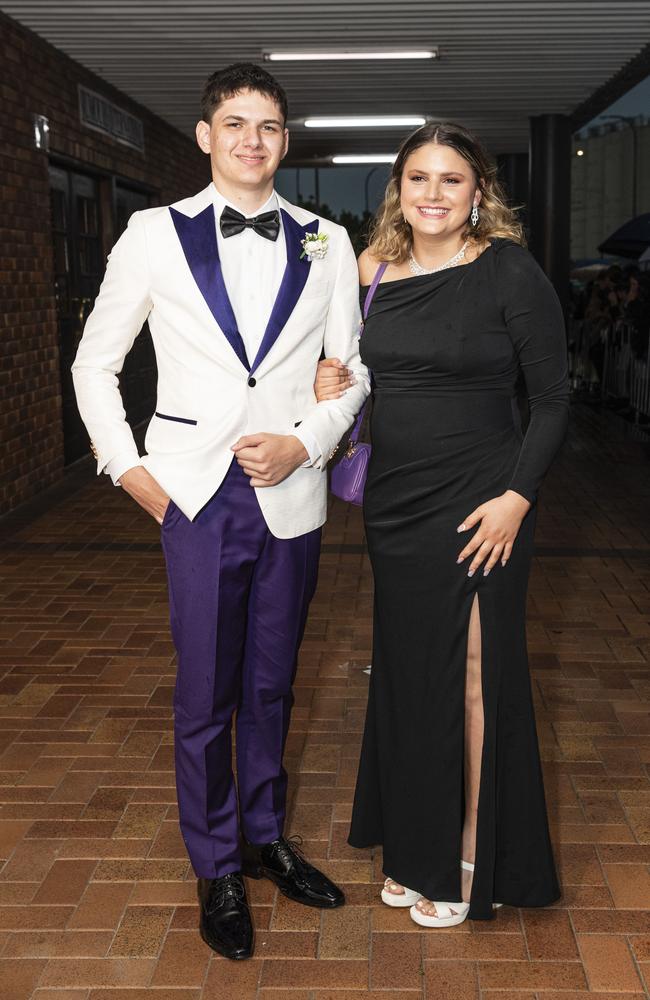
x: 96, y: 895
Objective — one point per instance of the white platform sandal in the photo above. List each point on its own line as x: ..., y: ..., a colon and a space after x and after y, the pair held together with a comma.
x: 407, y: 898
x: 443, y: 917
x: 447, y: 914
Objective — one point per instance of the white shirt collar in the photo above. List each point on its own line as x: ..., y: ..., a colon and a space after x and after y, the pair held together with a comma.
x: 220, y: 202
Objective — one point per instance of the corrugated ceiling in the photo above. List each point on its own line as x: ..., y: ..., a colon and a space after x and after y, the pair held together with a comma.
x: 500, y: 60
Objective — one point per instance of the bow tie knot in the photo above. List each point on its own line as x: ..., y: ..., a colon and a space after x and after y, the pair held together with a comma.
x: 232, y: 222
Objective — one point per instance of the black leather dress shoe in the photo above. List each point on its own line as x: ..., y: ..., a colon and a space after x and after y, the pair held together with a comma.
x: 283, y: 862
x: 225, y: 922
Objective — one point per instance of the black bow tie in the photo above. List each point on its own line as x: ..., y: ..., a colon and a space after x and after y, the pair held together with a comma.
x: 267, y: 224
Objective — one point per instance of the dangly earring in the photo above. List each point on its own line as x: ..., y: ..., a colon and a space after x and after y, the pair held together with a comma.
x: 474, y: 216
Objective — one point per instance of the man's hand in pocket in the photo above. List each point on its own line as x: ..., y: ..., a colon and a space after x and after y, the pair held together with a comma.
x: 144, y: 489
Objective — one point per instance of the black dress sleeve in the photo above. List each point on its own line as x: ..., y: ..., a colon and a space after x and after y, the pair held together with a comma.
x: 533, y: 316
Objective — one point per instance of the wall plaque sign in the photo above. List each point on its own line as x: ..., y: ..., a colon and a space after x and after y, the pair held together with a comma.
x: 98, y: 113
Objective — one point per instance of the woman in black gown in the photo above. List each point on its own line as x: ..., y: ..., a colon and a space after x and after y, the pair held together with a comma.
x: 449, y: 769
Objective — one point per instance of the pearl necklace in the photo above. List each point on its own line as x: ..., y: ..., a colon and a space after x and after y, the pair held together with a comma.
x: 418, y: 269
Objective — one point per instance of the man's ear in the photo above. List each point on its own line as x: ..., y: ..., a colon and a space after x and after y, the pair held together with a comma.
x: 203, y: 136
x: 286, y: 144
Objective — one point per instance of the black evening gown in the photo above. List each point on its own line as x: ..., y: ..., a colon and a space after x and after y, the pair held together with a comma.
x: 446, y: 350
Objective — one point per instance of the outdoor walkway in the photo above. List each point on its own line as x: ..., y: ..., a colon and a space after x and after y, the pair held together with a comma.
x: 97, y: 901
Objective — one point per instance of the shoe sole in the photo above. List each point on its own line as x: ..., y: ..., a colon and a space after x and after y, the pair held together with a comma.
x: 257, y: 873
x: 425, y: 921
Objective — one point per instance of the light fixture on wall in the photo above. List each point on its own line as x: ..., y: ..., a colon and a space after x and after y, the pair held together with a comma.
x: 367, y: 121
x: 41, y: 132
x: 354, y: 54
x: 350, y: 158
x: 580, y: 152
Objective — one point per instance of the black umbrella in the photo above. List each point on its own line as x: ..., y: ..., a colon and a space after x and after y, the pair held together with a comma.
x: 630, y: 240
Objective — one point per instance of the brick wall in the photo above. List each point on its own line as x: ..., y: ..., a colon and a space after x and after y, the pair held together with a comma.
x: 36, y: 78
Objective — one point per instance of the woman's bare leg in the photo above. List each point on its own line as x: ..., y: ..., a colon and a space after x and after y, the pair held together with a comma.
x: 473, y: 742
x: 473, y: 751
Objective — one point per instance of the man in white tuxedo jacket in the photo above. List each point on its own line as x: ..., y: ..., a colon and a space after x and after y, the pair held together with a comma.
x: 242, y: 292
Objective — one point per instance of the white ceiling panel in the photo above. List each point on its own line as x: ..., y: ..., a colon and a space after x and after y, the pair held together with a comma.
x: 500, y: 60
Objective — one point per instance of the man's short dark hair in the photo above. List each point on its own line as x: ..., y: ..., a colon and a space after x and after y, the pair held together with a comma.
x: 233, y: 80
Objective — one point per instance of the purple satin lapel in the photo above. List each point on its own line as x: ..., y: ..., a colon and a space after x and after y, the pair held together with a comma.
x: 293, y: 281
x: 198, y: 238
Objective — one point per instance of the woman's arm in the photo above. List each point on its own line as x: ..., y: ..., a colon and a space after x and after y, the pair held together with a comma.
x: 534, y: 319
x: 535, y: 323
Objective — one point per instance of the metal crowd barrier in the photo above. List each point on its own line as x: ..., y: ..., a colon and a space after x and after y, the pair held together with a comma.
x: 624, y: 375
x: 584, y: 377
x: 605, y: 365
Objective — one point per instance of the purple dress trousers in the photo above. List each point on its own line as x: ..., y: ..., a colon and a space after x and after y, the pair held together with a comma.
x: 238, y: 605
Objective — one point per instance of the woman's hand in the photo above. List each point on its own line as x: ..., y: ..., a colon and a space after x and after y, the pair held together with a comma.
x: 499, y: 520
x: 332, y: 379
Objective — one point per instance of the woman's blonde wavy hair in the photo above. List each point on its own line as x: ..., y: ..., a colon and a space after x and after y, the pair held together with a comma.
x: 391, y: 236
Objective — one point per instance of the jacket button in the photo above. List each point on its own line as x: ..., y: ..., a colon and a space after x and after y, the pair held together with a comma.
x: 252, y: 382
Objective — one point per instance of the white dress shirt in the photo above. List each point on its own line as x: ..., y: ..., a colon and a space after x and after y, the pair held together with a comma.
x: 252, y: 268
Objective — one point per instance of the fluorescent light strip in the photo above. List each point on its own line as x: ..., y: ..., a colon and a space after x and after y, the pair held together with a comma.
x: 312, y: 56
x: 365, y: 158
x: 379, y: 122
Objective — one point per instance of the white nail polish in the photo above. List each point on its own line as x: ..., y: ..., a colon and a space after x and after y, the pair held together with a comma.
x: 461, y: 527
x: 471, y: 572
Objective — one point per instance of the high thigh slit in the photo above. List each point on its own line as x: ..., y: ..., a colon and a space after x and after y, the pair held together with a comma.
x: 474, y: 725
x: 467, y: 767
x: 446, y: 350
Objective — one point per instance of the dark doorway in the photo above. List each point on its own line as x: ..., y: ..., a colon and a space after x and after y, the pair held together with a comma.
x: 78, y: 270
x: 79, y: 204
x: 139, y: 375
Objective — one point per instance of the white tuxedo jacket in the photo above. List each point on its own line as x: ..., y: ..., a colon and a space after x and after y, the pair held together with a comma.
x: 165, y: 268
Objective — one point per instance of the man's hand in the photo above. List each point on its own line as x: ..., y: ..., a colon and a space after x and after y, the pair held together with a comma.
x: 144, y: 489
x: 269, y: 458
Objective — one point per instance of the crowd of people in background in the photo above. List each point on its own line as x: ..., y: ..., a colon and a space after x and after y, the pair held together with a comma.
x: 616, y: 296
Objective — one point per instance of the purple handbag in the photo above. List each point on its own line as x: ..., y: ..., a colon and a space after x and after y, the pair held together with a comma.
x: 349, y: 475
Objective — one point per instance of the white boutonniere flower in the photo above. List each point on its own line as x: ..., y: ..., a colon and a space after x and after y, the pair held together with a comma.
x: 314, y: 246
